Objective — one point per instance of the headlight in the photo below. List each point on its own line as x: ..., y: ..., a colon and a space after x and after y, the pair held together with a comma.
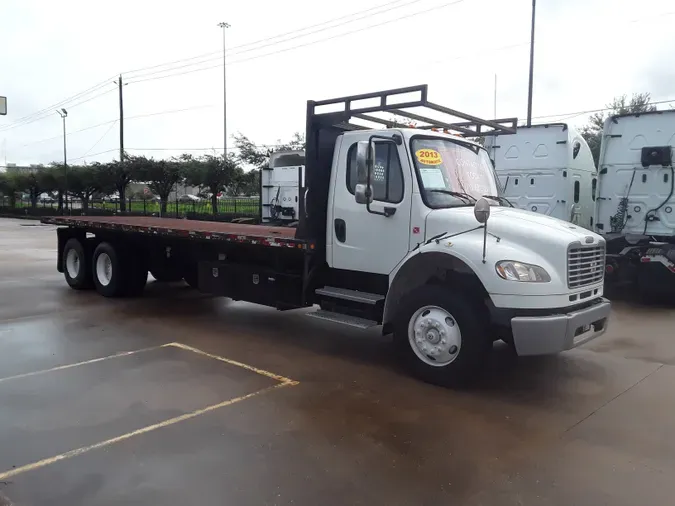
x: 519, y: 271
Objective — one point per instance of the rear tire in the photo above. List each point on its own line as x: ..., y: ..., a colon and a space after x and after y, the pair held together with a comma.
x: 76, y: 267
x: 108, y: 270
x: 441, y: 336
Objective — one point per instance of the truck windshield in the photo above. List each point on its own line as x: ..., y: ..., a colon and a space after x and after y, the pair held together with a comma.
x: 447, y: 169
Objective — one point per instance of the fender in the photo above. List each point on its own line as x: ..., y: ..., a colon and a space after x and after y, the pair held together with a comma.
x: 429, y: 262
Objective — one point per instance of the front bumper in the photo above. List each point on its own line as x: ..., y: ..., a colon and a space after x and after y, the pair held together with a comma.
x: 547, y: 335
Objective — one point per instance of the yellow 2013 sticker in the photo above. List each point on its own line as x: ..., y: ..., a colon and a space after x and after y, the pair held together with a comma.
x: 428, y: 156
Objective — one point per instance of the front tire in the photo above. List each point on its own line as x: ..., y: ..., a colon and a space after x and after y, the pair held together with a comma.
x: 76, y: 266
x: 441, y: 336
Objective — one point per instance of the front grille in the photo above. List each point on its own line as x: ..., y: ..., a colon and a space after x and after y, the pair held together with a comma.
x: 585, y: 265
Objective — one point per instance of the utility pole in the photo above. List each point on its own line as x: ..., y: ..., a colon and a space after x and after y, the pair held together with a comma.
x: 224, y: 26
x: 119, y: 84
x: 529, y: 94
x: 64, y: 114
x: 495, y: 103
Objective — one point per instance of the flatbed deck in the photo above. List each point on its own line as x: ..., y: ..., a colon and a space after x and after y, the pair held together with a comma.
x: 195, y: 229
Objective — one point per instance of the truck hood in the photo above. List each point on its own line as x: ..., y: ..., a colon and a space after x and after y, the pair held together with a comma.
x: 511, y: 224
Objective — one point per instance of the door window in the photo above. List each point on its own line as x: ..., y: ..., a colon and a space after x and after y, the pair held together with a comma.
x: 576, y: 192
x: 387, y: 177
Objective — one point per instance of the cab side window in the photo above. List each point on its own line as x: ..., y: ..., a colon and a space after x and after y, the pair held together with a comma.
x: 387, y: 176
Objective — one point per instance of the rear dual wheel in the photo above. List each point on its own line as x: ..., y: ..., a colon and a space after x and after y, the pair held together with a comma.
x: 76, y: 265
x: 117, y: 271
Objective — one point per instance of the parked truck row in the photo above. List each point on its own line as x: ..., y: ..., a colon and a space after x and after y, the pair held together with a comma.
x: 629, y: 199
x: 400, y: 227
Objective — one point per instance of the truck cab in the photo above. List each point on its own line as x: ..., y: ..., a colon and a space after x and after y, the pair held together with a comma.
x: 547, y: 169
x: 279, y: 185
x: 419, y: 238
x: 636, y: 199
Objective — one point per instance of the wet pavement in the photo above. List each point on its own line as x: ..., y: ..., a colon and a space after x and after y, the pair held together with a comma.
x: 250, y: 406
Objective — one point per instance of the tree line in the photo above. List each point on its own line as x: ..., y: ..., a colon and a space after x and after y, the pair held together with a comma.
x: 213, y: 174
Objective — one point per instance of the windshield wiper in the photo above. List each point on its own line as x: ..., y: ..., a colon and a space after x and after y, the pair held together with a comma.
x: 499, y: 199
x: 470, y: 199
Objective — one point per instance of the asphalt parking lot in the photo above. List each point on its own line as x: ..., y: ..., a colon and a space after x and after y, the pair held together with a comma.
x: 177, y: 398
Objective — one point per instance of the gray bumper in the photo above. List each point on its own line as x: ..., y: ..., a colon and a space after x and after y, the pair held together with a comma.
x: 546, y: 335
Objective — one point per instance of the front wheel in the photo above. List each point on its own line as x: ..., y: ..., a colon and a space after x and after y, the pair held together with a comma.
x: 441, y: 335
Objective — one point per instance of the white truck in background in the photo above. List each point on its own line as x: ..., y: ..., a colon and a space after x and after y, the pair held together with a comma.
x: 635, y: 209
x: 547, y: 169
x: 280, y: 182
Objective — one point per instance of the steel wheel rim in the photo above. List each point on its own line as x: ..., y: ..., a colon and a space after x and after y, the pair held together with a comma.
x: 104, y: 269
x: 434, y: 336
x: 72, y: 263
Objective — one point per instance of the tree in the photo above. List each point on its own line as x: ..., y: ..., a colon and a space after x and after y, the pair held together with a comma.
x: 259, y: 157
x: 212, y: 173
x: 250, y: 183
x: 119, y: 175
x: 161, y: 176
x: 30, y: 182
x: 57, y: 180
x: 9, y: 187
x: 592, y: 132
x: 84, y: 181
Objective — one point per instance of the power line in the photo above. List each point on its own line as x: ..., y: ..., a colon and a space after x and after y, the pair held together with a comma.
x: 169, y: 149
x: 100, y: 139
x: 205, y: 149
x: 49, y: 109
x: 256, y: 42
x: 95, y: 154
x: 49, y: 114
x: 300, y: 35
x: 570, y: 115
x: 351, y: 32
x: 137, y: 116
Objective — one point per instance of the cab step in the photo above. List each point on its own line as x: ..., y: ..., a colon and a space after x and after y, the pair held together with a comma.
x: 332, y: 292
x: 352, y: 321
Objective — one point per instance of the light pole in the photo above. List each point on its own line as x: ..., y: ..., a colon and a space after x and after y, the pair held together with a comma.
x: 64, y: 114
x: 224, y: 26
x: 529, y: 93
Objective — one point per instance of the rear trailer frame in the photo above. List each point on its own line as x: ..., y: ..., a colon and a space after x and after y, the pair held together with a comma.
x: 264, y: 265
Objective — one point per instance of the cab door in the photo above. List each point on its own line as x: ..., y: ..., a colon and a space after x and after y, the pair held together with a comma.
x: 361, y: 240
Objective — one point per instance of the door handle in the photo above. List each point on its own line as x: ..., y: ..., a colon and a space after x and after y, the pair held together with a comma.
x: 340, y: 230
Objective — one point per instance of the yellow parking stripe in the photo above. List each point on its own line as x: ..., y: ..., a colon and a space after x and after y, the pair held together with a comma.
x: 79, y: 451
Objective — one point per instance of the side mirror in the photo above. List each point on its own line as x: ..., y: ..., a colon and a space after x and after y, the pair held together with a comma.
x: 365, y: 154
x: 363, y: 194
x: 482, y: 210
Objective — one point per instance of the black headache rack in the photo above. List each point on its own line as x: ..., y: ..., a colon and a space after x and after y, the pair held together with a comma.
x: 397, y: 102
x: 327, y: 119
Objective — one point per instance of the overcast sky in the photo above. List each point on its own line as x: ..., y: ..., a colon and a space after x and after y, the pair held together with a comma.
x: 587, y: 52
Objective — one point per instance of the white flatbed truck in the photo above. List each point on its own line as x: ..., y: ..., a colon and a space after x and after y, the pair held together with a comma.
x: 394, y: 230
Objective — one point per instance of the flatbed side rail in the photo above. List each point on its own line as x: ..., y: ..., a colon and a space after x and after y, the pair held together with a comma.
x: 282, y: 242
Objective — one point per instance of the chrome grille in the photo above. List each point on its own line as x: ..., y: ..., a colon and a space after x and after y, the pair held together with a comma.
x: 585, y: 265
